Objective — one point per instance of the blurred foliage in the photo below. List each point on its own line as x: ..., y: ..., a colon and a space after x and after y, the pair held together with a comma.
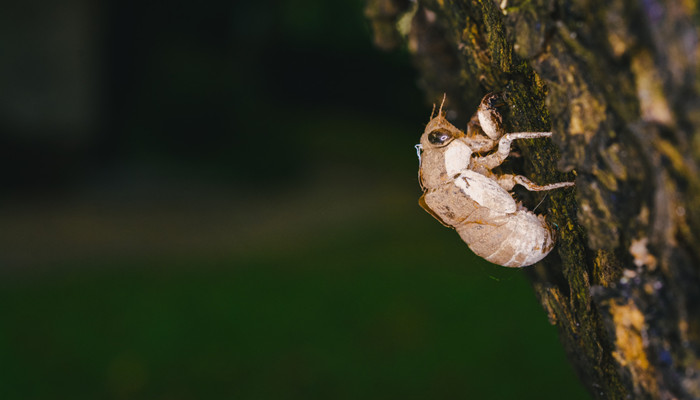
x: 309, y: 272
x: 356, y: 315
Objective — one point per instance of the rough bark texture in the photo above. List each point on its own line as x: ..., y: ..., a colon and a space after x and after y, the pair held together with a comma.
x: 616, y: 83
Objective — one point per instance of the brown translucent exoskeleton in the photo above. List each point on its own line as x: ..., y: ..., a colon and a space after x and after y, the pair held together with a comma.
x: 461, y: 191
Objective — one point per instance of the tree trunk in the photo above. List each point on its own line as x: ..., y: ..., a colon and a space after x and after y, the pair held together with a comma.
x: 616, y: 82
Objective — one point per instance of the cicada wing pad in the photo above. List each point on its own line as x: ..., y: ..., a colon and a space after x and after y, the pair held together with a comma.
x: 425, y: 206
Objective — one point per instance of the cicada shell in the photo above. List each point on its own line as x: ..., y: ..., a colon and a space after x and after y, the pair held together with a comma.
x: 462, y: 192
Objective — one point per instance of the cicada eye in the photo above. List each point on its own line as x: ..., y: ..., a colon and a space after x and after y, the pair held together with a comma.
x: 439, y: 137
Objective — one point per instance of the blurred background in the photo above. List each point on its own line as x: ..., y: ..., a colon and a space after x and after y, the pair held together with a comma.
x: 219, y: 200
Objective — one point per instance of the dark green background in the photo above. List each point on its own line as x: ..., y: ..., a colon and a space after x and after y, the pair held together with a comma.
x: 234, y: 214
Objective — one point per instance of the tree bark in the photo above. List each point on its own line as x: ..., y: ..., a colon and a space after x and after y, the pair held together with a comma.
x: 616, y: 83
